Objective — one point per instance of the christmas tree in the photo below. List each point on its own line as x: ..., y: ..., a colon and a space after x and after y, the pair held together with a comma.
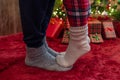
x: 98, y: 7
x: 102, y: 10
x: 59, y: 10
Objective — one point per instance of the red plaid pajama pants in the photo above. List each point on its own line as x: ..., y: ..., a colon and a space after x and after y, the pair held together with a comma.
x: 77, y: 11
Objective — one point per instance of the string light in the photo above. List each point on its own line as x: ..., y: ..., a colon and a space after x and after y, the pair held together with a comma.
x: 98, y: 7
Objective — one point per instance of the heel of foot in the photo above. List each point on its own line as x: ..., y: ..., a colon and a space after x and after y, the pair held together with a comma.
x: 88, y: 48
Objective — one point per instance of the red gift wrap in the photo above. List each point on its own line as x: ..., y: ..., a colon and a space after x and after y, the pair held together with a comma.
x: 54, y: 28
x: 94, y: 26
x: 66, y: 36
x: 117, y: 27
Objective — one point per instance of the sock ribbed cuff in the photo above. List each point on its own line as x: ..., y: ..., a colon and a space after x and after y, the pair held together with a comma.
x: 78, y: 33
x: 79, y: 28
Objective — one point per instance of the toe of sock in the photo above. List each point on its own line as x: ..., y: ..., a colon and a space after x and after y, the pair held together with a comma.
x: 61, y: 61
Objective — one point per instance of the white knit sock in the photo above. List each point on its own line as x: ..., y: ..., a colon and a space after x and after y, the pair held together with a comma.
x: 78, y: 46
x: 63, y: 53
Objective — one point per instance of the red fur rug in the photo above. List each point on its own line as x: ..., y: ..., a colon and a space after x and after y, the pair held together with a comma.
x: 101, y: 63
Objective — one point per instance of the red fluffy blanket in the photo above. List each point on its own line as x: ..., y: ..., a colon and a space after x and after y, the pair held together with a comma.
x: 101, y: 63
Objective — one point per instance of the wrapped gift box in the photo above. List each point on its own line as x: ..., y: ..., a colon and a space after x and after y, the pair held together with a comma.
x: 66, y: 37
x: 96, y: 38
x: 109, y: 29
x: 117, y: 27
x: 94, y: 26
x: 54, y: 28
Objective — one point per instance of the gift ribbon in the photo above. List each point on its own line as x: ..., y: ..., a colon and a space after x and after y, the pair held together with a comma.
x: 96, y: 37
x: 108, y: 29
x: 91, y: 19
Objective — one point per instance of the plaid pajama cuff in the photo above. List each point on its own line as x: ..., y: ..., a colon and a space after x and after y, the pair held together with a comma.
x: 77, y: 11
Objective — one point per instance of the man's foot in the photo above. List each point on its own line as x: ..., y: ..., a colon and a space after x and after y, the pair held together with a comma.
x: 39, y: 57
x: 50, y: 50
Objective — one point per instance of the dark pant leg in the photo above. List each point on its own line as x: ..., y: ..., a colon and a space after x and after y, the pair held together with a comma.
x: 32, y: 16
x: 47, y: 16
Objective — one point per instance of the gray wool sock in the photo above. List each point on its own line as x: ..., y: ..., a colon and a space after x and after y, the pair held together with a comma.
x: 39, y: 57
x: 50, y: 50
